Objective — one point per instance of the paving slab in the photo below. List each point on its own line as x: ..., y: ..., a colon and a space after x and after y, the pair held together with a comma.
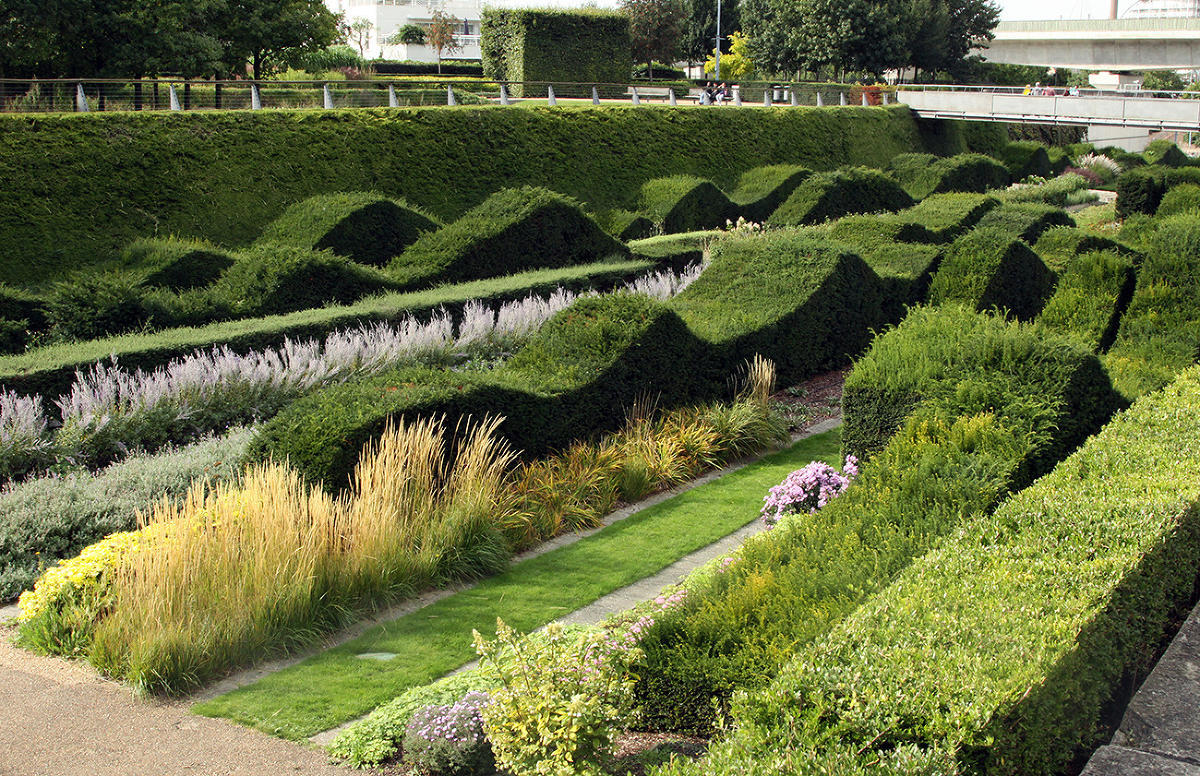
x: 1121, y: 761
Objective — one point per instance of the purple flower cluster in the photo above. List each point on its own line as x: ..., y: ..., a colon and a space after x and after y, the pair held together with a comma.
x: 450, y: 739
x: 807, y: 490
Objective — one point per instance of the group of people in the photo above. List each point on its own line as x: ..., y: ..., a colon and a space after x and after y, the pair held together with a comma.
x: 717, y: 93
x: 1037, y: 90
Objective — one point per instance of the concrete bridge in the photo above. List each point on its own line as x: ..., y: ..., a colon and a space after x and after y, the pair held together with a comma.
x: 1099, y: 44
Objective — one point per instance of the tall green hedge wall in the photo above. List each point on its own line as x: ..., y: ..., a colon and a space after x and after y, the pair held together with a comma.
x: 542, y: 44
x: 74, y: 188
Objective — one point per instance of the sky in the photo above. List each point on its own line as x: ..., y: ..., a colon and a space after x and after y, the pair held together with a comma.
x: 1026, y: 10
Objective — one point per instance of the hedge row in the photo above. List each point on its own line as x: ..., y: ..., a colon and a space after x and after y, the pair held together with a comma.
x: 1025, y: 158
x: 685, y: 203
x: 986, y: 269
x: 761, y: 190
x: 1059, y: 245
x: 447, y: 161
x: 1092, y: 294
x: 1140, y: 190
x: 51, y: 371
x: 1025, y: 221
x: 989, y: 420
x: 1002, y: 650
x: 591, y: 361
x: 829, y: 195
x: 922, y: 175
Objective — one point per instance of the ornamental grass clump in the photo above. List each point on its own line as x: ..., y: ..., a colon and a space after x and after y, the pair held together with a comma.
x: 807, y: 489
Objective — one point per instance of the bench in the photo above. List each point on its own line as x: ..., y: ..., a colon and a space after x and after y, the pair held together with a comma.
x: 650, y: 92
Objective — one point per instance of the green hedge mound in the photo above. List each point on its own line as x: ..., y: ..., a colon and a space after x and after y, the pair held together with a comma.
x: 1160, y: 332
x: 761, y: 190
x: 1180, y: 199
x: 685, y: 203
x: 947, y: 216
x: 675, y: 251
x: 625, y: 225
x: 986, y: 269
x: 1165, y: 153
x: 878, y: 230
x: 365, y: 227
x: 1024, y: 158
x: 942, y: 353
x: 175, y: 263
x: 1025, y: 220
x: 1141, y: 190
x: 833, y: 300
x: 1058, y: 245
x: 1004, y: 649
x: 905, y: 274
x: 1092, y: 293
x: 829, y: 195
x: 511, y: 231
x: 576, y: 377
x: 21, y: 315
x: 974, y: 173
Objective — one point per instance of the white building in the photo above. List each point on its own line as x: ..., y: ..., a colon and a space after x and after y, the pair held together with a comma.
x: 1162, y: 9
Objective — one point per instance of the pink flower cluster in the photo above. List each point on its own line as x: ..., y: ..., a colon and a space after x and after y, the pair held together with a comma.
x: 807, y: 490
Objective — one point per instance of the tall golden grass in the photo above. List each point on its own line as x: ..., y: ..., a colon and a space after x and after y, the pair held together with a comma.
x: 268, y: 564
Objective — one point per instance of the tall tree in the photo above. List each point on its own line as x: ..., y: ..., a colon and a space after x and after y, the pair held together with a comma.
x: 266, y: 32
x: 656, y: 29
x: 442, y: 35
x: 358, y: 32
x: 970, y: 24
x: 859, y: 35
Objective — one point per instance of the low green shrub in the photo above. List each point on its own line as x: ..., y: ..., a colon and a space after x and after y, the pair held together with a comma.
x: 870, y: 231
x: 965, y: 172
x: 511, y: 231
x: 97, y: 305
x: 685, y: 203
x: 52, y: 518
x: 905, y: 274
x: 947, y: 216
x: 829, y: 195
x: 22, y: 314
x: 761, y: 190
x: 1003, y: 649
x: 944, y: 352
x: 625, y: 225
x: 1127, y: 159
x: 1165, y: 153
x: 175, y: 263
x: 1179, y: 199
x: 1065, y: 190
x: 1093, y: 291
x: 1141, y: 190
x: 908, y: 167
x: 1060, y: 159
x: 365, y: 227
x: 986, y: 269
x: 1159, y: 333
x: 1058, y: 245
x: 1025, y: 220
x: 1024, y: 158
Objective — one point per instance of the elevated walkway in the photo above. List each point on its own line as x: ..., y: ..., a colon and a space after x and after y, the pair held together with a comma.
x: 1098, y: 44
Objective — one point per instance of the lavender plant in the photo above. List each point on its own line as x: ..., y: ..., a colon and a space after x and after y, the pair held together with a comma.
x: 449, y: 740
x: 24, y: 444
x: 807, y: 489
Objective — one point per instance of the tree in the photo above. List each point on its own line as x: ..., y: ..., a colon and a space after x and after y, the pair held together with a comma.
x: 970, y: 24
x: 442, y: 35
x: 656, y: 29
x: 410, y: 34
x: 358, y: 32
x: 859, y: 35
x: 268, y: 32
x: 700, y: 29
x: 736, y: 64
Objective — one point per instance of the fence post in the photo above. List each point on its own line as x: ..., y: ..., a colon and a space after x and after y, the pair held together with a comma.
x: 767, y: 97
x: 551, y: 100
x: 884, y: 96
x: 671, y: 97
x: 450, y: 98
x: 174, y: 98
x: 81, y: 102
x: 327, y: 94
x: 737, y: 95
x: 842, y: 98
x: 595, y: 96
x: 795, y: 97
x: 633, y: 90
x: 865, y: 103
x: 503, y: 94
x: 255, y: 97
x: 820, y: 99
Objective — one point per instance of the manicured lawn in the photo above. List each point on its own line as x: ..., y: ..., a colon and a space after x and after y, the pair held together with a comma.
x: 336, y: 686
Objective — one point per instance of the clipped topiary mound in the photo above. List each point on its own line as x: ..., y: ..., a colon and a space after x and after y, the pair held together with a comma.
x: 824, y: 318
x: 761, y: 190
x: 175, y: 263
x: 685, y: 203
x: 1058, y: 245
x: 1164, y: 152
x: 986, y: 269
x: 511, y: 231
x: 877, y: 230
x: 1025, y: 220
x: 675, y: 250
x: 1092, y: 293
x: 947, y: 216
x: 625, y: 225
x: 272, y: 279
x: 829, y: 195
x: 21, y: 314
x: 1181, y: 199
x: 1025, y: 158
x: 965, y: 172
x: 365, y: 227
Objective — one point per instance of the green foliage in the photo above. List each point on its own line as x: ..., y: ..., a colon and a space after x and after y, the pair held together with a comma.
x: 625, y: 225
x: 1037, y: 616
x: 921, y: 177
x: 1059, y: 245
x: 174, y: 263
x: 1160, y: 332
x: 983, y: 363
x: 1024, y: 220
x: 685, y: 203
x: 561, y: 701
x: 830, y: 195
x: 859, y: 36
x: 142, y: 185
x: 761, y: 190
x: 1057, y: 191
x: 97, y: 305
x: 1092, y: 293
x: 1140, y: 190
x: 1179, y: 199
x: 511, y: 231
x: 986, y: 269
x: 655, y: 28
x: 675, y: 250
x: 544, y: 44
x: 49, y: 519
x: 868, y: 232
x: 947, y: 216
x: 1024, y: 158
x: 1165, y: 153
x: 364, y: 227
x: 21, y: 315
x: 905, y: 270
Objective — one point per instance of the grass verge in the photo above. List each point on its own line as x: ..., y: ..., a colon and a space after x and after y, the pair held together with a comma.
x: 336, y: 686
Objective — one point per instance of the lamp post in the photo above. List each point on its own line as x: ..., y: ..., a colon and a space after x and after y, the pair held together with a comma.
x: 718, y: 41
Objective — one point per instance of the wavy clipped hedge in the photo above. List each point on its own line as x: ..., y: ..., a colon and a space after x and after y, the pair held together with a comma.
x: 947, y: 216
x: 829, y: 195
x: 976, y: 173
x: 1000, y: 651
x: 1025, y: 220
x: 365, y: 227
x: 685, y: 203
x: 1164, y: 152
x: 905, y: 274
x: 1140, y: 190
x: 761, y: 190
x: 1024, y: 158
x: 1058, y: 245
x: 1092, y: 293
x: 945, y: 353
x: 1159, y: 333
x: 446, y: 161
x: 50, y: 371
x: 174, y: 263
x: 986, y: 269
x: 513, y: 230
x: 625, y: 225
x: 1180, y: 199
x: 675, y: 250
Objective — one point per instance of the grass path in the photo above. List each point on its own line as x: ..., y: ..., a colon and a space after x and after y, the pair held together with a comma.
x: 337, y: 685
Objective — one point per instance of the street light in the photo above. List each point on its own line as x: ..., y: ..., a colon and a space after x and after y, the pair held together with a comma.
x: 718, y: 41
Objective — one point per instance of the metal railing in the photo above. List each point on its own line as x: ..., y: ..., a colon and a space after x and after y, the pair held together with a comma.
x: 1126, y: 92
x: 89, y: 95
